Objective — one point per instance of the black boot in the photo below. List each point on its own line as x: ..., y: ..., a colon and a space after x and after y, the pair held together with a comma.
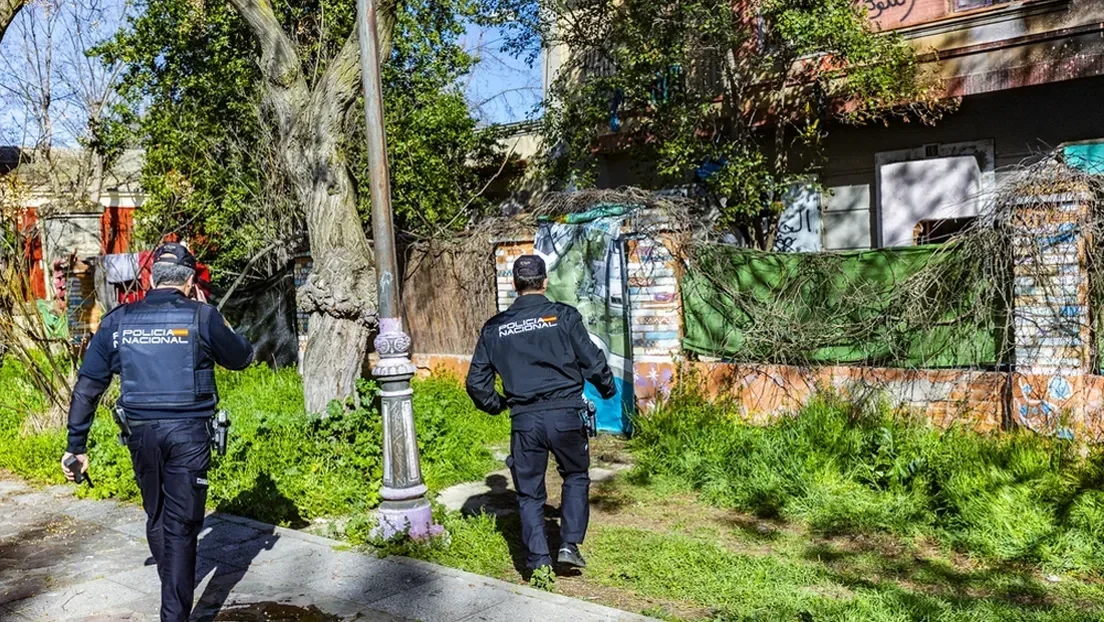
x: 569, y: 555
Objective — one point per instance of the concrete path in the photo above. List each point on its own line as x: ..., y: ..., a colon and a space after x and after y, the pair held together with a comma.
x: 67, y: 559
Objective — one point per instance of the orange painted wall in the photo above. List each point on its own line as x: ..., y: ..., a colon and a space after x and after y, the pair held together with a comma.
x: 762, y: 393
x: 116, y: 227
x: 893, y: 14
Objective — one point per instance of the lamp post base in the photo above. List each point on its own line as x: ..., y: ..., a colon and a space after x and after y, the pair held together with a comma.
x: 413, y: 518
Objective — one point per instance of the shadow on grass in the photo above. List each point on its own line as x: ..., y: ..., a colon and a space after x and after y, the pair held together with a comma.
x: 502, y: 503
x: 607, y: 498
x: 927, y: 583
x: 265, y: 502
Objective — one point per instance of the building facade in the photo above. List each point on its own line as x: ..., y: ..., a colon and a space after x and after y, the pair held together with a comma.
x: 1029, y: 75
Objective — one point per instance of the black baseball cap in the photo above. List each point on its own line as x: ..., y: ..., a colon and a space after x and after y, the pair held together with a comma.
x: 529, y: 267
x: 175, y: 254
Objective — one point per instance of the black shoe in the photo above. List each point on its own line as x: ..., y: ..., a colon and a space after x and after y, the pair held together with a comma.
x: 570, y: 556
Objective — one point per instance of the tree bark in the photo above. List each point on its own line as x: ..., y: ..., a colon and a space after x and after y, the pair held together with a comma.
x: 8, y: 11
x: 340, y: 293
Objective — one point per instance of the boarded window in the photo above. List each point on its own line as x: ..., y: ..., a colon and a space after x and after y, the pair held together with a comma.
x: 925, y: 190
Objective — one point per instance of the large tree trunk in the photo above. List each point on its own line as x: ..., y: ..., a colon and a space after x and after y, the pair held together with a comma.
x: 340, y: 294
x: 8, y: 11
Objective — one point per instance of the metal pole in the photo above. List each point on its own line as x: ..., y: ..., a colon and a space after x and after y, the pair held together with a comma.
x: 405, y: 508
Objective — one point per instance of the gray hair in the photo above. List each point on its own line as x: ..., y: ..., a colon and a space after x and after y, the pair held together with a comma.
x: 170, y: 275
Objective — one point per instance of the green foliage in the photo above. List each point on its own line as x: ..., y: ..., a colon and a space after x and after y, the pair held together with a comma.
x: 543, y: 578
x: 213, y: 173
x: 434, y: 148
x: 189, y: 90
x: 453, y: 435
x: 282, y: 465
x: 699, y: 82
x: 1013, y: 497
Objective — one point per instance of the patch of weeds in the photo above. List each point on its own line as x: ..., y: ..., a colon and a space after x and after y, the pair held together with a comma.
x: 543, y: 578
x: 838, y: 469
x: 283, y: 465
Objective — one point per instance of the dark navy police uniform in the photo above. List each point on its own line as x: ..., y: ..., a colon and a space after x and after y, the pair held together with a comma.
x: 164, y: 348
x: 543, y: 353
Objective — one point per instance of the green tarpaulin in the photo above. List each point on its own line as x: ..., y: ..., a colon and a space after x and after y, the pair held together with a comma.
x: 904, y: 307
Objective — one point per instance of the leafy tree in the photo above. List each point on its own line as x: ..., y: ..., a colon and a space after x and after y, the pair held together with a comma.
x: 190, y: 94
x: 246, y: 155
x: 739, y: 96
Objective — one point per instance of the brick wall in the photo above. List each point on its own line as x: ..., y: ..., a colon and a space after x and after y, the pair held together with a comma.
x: 763, y: 393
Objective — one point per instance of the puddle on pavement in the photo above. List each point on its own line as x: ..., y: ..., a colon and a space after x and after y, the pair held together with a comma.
x: 274, y: 612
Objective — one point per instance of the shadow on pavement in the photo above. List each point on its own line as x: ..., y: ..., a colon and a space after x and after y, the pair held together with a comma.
x: 227, y: 551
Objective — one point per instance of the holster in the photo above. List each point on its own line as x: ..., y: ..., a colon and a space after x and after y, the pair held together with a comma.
x: 121, y: 421
x: 589, y: 415
x: 220, y: 432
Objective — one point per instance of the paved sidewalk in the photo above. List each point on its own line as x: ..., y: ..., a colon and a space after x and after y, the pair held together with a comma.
x: 62, y: 558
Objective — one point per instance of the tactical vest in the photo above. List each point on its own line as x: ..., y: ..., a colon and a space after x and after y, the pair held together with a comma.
x: 159, y: 348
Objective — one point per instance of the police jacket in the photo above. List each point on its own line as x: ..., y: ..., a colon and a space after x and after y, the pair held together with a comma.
x: 543, y: 353
x: 164, y: 349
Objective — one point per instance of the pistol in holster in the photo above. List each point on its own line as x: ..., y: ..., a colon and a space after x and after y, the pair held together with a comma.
x: 124, y: 425
x: 220, y: 432
x: 589, y: 416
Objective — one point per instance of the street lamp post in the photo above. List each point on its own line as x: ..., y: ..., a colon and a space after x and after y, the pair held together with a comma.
x: 405, y: 508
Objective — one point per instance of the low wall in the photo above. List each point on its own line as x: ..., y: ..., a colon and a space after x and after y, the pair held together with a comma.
x: 765, y: 392
x: 975, y: 399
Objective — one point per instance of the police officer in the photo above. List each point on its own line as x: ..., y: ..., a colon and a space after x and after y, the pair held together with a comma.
x: 164, y: 349
x: 543, y: 353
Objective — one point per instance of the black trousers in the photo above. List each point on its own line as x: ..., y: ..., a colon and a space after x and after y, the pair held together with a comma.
x: 171, y: 458
x: 533, y: 436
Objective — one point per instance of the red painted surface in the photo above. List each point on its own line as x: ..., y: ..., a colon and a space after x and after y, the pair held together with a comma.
x: 116, y: 228
x: 32, y: 252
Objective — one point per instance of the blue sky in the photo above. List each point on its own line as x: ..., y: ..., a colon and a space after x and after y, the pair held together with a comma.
x: 501, y: 89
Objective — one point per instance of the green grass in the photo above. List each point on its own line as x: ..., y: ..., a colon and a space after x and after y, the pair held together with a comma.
x: 1010, y: 497
x: 870, y: 515
x: 792, y: 584
x: 685, y: 557
x: 839, y: 513
x: 283, y: 465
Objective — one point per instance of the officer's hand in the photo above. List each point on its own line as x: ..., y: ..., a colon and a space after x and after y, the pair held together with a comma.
x: 81, y: 458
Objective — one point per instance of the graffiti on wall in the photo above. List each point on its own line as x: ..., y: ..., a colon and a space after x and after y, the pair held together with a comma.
x: 1041, y: 411
x: 891, y: 14
x: 585, y: 271
x: 894, y: 9
x: 1050, y: 314
x: 799, y: 224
